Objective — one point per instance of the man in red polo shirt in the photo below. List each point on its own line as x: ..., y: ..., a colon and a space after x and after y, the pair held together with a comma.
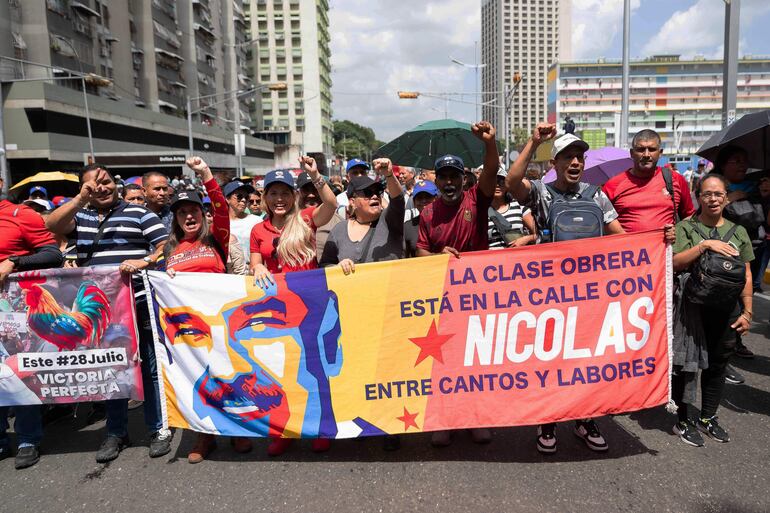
x: 640, y: 195
x: 457, y: 221
x: 25, y: 244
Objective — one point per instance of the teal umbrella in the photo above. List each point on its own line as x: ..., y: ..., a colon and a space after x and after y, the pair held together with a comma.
x: 423, y: 144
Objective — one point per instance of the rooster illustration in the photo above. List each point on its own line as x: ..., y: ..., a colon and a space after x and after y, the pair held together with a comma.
x: 84, y: 325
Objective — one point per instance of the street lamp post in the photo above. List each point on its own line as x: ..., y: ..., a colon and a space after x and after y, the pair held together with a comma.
x: 622, y: 138
x: 85, y: 96
x: 730, y: 58
x: 509, y: 92
x: 475, y: 66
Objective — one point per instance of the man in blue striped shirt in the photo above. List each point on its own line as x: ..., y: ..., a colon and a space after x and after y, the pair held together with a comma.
x: 109, y: 231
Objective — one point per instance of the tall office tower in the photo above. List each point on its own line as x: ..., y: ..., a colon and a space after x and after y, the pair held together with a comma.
x: 292, y: 46
x: 524, y: 36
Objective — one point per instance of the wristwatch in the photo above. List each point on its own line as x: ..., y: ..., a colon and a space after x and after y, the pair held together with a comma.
x: 148, y: 260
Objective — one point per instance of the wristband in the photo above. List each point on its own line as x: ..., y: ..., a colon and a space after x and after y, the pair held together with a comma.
x: 319, y: 182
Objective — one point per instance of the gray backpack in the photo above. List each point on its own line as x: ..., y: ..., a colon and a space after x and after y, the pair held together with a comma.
x: 577, y: 218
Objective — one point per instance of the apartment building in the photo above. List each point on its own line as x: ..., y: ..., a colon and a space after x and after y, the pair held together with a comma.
x: 291, y: 45
x: 524, y: 36
x: 681, y: 99
x: 153, y: 54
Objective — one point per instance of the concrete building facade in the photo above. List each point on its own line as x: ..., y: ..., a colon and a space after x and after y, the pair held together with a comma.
x: 291, y: 44
x: 155, y: 54
x: 681, y: 99
x: 524, y: 36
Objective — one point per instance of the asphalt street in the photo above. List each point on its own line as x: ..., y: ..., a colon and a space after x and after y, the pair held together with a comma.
x: 647, y: 468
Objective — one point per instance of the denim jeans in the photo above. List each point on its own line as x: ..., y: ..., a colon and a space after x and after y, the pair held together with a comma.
x: 117, y: 409
x: 28, y: 425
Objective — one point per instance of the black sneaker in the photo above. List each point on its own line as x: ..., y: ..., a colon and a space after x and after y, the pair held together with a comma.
x: 27, y: 456
x: 689, y: 433
x: 733, y: 377
x: 589, y: 432
x: 712, y: 428
x: 5, y: 452
x: 110, y: 448
x: 546, y: 438
x: 743, y: 351
x: 160, y: 443
x: 391, y: 443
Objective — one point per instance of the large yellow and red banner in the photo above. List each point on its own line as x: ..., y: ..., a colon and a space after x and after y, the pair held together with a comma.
x: 496, y: 338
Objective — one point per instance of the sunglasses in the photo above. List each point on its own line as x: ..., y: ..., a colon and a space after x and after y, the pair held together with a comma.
x: 240, y: 197
x: 368, y: 192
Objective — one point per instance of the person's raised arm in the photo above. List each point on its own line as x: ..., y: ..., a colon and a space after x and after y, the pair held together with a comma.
x: 324, y: 212
x: 515, y: 182
x: 488, y: 179
x: 62, y: 220
x: 384, y: 167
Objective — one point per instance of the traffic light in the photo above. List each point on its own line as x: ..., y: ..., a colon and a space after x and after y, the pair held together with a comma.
x: 408, y: 95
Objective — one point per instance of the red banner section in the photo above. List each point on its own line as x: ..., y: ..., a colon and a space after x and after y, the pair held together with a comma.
x: 553, y: 332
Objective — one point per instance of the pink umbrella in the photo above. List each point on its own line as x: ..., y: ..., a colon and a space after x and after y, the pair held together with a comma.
x: 601, y: 165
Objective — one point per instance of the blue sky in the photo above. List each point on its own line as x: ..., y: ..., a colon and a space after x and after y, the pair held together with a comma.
x: 383, y: 46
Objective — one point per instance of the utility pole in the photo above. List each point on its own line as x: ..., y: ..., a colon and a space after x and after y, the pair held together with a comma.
x: 730, y: 71
x: 621, y: 139
x: 4, y: 174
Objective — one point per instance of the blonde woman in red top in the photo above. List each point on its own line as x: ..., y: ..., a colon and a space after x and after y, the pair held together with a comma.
x: 196, y: 245
x: 285, y: 242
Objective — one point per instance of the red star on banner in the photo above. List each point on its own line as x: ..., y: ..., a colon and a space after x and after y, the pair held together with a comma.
x: 409, y: 419
x: 430, y: 344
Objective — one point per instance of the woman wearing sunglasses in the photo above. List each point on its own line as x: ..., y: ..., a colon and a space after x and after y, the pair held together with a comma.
x: 373, y: 233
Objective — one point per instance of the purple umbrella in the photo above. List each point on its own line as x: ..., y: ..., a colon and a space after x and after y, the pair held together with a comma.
x: 601, y: 165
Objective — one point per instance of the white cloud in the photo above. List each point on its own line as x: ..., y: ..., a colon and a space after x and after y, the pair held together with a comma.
x: 593, y: 17
x: 383, y: 47
x: 699, y: 29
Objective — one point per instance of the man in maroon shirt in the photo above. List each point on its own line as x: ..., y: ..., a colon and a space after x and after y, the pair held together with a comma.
x: 640, y: 195
x: 457, y: 222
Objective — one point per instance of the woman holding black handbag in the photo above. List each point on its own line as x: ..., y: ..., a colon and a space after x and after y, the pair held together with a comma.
x: 713, y: 250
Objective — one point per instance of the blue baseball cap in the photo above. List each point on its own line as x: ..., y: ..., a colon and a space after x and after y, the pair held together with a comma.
x: 279, y: 176
x: 38, y: 188
x: 425, y: 186
x: 233, y: 186
x: 449, y: 161
x: 355, y: 163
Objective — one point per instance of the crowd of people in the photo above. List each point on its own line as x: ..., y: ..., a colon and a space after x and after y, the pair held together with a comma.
x: 379, y: 212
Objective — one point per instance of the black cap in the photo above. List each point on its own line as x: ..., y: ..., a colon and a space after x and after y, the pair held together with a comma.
x: 303, y: 179
x: 190, y: 196
x: 360, y: 183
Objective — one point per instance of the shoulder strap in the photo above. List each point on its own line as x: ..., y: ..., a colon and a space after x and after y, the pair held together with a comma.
x: 501, y: 223
x: 589, y: 192
x: 694, y: 224
x: 100, y: 232
x: 669, y: 179
x: 730, y: 233
x: 554, y: 192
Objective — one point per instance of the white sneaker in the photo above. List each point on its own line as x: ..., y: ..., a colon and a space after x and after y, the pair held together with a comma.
x: 589, y: 432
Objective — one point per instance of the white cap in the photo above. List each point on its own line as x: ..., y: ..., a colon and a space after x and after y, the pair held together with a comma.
x: 501, y: 171
x: 47, y: 205
x: 560, y: 144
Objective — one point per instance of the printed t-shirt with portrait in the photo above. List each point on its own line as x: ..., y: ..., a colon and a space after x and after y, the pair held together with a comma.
x: 687, y: 237
x: 645, y: 203
x: 462, y: 226
x: 539, y: 201
x: 264, y: 240
x: 195, y: 256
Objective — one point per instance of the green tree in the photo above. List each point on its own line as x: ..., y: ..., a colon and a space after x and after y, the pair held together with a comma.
x: 352, y: 139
